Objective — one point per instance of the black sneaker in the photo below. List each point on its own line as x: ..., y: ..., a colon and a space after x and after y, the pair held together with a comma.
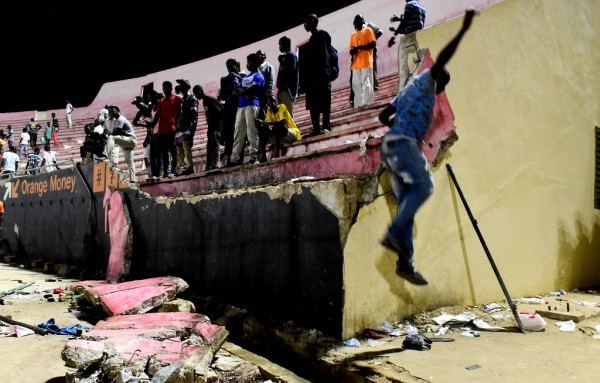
x: 411, y: 274
x: 312, y: 134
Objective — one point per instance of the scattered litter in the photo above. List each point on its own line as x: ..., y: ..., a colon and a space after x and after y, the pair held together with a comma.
x: 483, y: 325
x: 492, y: 308
x: 566, y: 325
x: 597, y: 327
x: 465, y: 317
x: 387, y: 327
x: 470, y: 333
x: 374, y: 334
x: 532, y: 321
x: 392, y: 330
x: 587, y: 304
x: 443, y: 330
x: 417, y: 342
x: 473, y: 367
x: 164, y: 373
x: 555, y: 293
x: 25, y: 297
x: 15, y: 330
x: 126, y: 376
x: 533, y: 301
x: 352, y: 342
x: 52, y: 328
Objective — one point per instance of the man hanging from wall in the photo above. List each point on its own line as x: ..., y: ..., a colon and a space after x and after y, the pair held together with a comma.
x: 409, y: 115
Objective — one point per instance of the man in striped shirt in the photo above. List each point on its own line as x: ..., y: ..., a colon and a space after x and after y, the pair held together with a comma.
x: 411, y: 21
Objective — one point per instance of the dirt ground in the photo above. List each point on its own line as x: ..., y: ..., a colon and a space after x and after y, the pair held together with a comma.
x: 34, y: 358
x: 546, y: 356
x: 549, y: 355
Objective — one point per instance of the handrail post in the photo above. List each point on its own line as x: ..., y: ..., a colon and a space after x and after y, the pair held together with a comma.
x: 485, y: 248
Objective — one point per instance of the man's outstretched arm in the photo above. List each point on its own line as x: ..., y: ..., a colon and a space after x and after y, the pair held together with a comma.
x: 448, y: 51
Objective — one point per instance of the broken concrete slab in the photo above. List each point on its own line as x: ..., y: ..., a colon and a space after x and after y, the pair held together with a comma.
x: 135, y: 297
x: 145, y: 343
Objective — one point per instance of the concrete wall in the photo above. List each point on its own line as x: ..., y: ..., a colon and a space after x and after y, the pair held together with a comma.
x: 524, y: 91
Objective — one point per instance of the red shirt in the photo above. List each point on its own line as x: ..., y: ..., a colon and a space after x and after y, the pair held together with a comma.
x: 167, y: 112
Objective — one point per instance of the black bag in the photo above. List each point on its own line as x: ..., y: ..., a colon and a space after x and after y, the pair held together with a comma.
x: 332, y: 60
x: 417, y: 342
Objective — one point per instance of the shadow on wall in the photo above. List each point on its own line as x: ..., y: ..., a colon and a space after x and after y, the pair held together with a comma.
x: 585, y: 257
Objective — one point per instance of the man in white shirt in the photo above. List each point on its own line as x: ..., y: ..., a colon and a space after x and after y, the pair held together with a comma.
x: 103, y: 115
x: 49, y: 160
x: 68, y: 112
x: 123, y: 136
x: 10, y: 162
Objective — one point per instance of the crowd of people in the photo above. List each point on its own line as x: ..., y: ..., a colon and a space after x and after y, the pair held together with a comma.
x: 252, y: 110
x: 246, y: 111
x: 38, y: 156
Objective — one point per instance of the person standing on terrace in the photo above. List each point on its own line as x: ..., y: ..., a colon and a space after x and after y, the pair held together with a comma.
x: 55, y: 128
x: 186, y: 127
x: 47, y: 132
x: 316, y: 77
x: 69, y: 113
x: 50, y: 159
x: 227, y: 84
x: 287, y: 77
x: 167, y: 113
x: 362, y: 46
x: 32, y: 129
x: 248, y: 111
x: 24, y: 142
x: 213, y: 110
x: 411, y: 21
x: 10, y: 163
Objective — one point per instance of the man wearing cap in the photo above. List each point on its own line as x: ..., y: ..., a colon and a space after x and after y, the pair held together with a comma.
x: 188, y: 121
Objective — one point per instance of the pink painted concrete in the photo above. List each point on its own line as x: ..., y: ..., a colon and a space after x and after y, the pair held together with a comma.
x: 119, y: 229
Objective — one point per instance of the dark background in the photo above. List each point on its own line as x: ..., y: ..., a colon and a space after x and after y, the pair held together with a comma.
x: 53, y: 52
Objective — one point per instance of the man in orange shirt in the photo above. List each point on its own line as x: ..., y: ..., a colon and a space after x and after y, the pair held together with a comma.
x: 362, y: 44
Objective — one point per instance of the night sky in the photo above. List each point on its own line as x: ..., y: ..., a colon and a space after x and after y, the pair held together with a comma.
x: 55, y: 52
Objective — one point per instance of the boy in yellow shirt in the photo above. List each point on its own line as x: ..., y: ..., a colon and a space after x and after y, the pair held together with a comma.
x: 278, y: 125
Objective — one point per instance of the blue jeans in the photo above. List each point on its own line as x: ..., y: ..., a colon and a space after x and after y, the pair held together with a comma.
x: 411, y: 181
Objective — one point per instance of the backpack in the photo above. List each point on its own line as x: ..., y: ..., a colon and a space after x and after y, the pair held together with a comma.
x: 332, y: 60
x: 333, y: 70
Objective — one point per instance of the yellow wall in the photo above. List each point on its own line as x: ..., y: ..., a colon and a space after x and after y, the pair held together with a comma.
x: 525, y: 93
